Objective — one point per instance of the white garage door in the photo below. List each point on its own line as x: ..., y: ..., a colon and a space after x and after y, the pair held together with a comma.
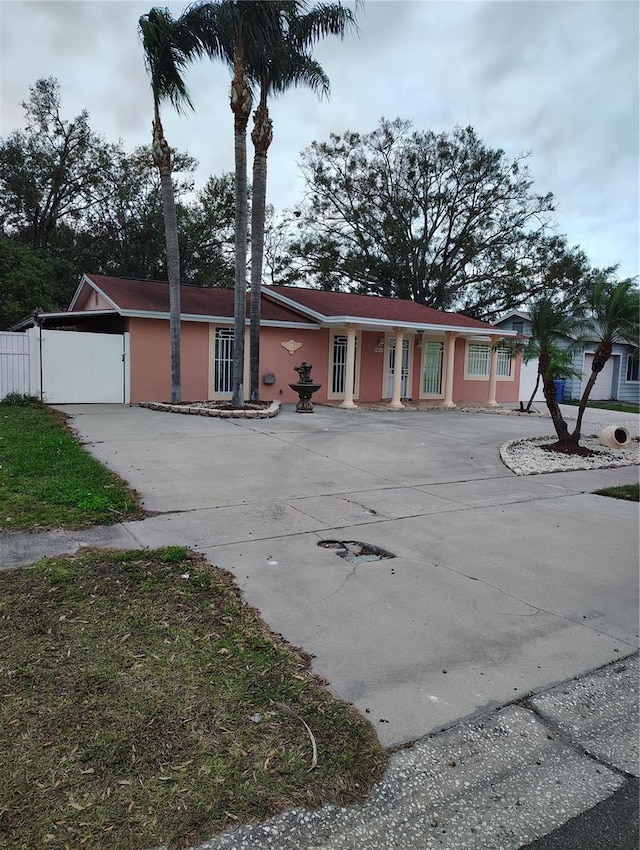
x: 528, y: 377
x: 602, y: 389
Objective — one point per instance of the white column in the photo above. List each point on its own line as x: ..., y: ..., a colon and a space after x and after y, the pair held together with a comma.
x: 450, y: 337
x: 395, y: 402
x: 493, y: 372
x: 350, y: 368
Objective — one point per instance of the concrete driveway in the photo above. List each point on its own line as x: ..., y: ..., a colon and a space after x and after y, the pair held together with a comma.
x: 501, y: 585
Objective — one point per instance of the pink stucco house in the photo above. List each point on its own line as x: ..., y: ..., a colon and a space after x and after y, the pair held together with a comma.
x: 362, y: 348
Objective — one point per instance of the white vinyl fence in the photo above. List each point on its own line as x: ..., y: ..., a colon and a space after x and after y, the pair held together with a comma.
x: 65, y: 367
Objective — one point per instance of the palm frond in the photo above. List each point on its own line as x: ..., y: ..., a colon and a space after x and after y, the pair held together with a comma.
x: 213, y: 27
x: 321, y: 20
x: 551, y: 319
x: 223, y: 28
x: 614, y: 309
x: 166, y: 54
x: 287, y: 68
x: 302, y: 70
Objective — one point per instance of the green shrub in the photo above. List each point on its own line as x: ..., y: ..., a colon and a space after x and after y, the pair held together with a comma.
x: 20, y: 400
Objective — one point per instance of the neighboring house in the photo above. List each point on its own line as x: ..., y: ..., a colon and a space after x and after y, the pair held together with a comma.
x: 618, y: 380
x: 362, y: 348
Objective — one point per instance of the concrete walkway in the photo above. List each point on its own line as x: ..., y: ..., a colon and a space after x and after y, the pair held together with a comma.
x: 501, y: 586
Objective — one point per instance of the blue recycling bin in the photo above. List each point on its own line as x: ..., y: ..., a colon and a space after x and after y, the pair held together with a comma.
x: 560, y: 390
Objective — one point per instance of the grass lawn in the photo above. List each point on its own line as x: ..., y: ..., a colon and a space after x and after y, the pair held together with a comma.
x: 47, y: 479
x: 630, y: 492
x: 606, y: 405
x: 144, y: 703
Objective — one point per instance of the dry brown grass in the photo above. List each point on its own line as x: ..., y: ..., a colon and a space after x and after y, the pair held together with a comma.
x: 143, y: 703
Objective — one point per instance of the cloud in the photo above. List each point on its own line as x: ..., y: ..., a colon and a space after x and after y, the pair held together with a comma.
x: 559, y: 79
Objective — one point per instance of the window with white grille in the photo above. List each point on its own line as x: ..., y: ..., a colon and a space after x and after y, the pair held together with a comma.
x: 503, y: 369
x: 223, y: 361
x: 479, y: 361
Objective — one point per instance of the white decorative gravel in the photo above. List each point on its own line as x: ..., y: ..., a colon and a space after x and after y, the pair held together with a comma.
x: 525, y: 457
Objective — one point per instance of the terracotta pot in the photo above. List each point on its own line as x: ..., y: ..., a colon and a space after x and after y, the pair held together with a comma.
x: 615, y: 437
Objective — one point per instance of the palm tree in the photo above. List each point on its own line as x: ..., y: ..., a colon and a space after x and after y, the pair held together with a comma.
x: 167, y: 47
x: 614, y: 308
x: 232, y: 30
x: 551, y: 320
x: 288, y: 64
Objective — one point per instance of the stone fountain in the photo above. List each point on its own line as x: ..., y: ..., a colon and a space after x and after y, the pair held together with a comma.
x: 304, y: 387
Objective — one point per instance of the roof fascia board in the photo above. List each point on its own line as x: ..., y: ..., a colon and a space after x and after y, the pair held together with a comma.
x: 76, y: 294
x: 22, y: 325
x: 33, y: 321
x: 417, y: 326
x: 184, y: 317
x: 272, y: 323
x: 221, y: 320
x: 66, y: 314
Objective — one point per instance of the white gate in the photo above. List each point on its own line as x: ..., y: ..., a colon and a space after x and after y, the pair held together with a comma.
x: 16, y: 372
x: 66, y: 367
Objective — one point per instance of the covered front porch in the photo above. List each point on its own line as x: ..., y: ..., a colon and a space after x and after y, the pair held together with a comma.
x: 427, y: 366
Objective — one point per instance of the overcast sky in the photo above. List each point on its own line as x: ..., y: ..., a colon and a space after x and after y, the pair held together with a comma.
x: 558, y: 78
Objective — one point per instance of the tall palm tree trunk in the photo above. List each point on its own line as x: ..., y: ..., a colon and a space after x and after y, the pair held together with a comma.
x: 241, y: 107
x: 162, y: 159
x: 261, y: 136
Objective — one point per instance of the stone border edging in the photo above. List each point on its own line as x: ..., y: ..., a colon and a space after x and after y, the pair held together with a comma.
x: 216, y: 412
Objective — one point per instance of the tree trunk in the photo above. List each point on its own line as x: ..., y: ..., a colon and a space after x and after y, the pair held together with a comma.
x: 533, y: 394
x: 600, y: 357
x: 241, y: 107
x: 549, y: 390
x: 162, y: 159
x: 562, y: 430
x: 261, y: 137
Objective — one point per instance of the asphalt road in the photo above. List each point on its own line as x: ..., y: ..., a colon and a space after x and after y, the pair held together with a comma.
x: 611, y: 825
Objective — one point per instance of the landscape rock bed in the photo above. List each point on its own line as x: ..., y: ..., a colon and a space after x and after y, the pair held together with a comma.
x: 527, y: 457
x: 219, y: 410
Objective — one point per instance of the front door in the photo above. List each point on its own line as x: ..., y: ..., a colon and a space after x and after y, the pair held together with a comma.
x: 223, y: 362
x: 433, y: 353
x: 339, y: 365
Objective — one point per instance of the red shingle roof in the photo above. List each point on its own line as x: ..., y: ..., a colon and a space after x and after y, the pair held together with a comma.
x: 152, y: 296
x: 373, y: 307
